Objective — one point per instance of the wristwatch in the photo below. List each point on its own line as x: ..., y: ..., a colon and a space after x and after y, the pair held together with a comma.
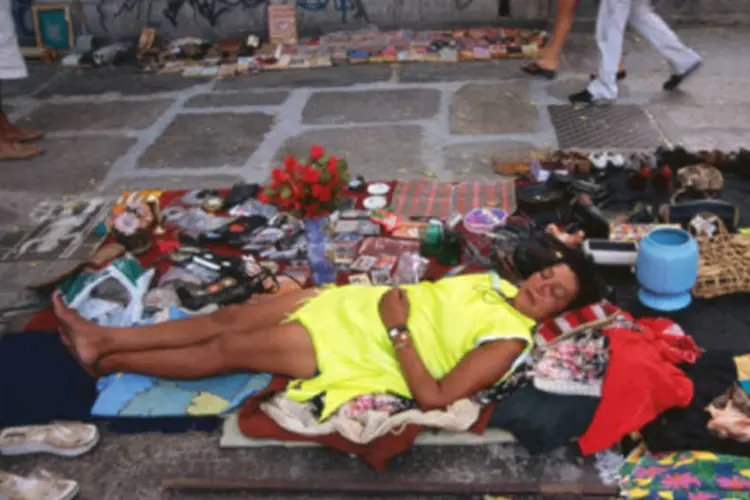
x: 395, y: 331
x: 400, y: 337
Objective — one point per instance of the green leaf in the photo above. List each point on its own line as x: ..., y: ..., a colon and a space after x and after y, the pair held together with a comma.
x: 286, y: 193
x: 325, y: 177
x: 342, y: 167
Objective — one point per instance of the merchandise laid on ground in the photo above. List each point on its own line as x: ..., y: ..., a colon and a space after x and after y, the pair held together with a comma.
x: 281, y: 49
x: 635, y: 376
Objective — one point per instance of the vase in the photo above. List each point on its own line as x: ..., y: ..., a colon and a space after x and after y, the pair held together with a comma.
x: 322, y: 270
x: 667, y: 269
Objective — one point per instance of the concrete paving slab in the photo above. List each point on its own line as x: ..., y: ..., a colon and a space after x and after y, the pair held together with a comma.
x: 339, y: 76
x: 39, y: 76
x: 501, y: 108
x: 378, y: 153
x: 463, y: 71
x: 689, y: 118
x: 69, y: 166
x: 119, y: 80
x: 724, y: 140
x: 170, y: 183
x: 207, y: 140
x: 96, y: 116
x: 581, y: 55
x: 332, y: 108
x: 238, y: 99
x: 474, y: 161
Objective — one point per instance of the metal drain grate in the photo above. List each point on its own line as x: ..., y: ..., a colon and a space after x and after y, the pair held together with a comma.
x: 623, y: 126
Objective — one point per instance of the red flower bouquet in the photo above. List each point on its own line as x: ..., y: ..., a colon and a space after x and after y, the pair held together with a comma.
x: 308, y: 189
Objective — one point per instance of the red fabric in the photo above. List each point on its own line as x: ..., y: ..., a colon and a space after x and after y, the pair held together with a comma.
x: 641, y: 382
x: 254, y: 423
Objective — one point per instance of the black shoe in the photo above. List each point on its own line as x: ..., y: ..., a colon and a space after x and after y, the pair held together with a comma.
x: 675, y: 80
x: 582, y: 97
x: 621, y: 75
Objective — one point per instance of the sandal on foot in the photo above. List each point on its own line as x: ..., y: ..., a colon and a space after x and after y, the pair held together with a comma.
x: 18, y: 134
x: 534, y: 69
x: 22, y: 488
x: 676, y: 80
x: 66, y: 439
x: 17, y: 151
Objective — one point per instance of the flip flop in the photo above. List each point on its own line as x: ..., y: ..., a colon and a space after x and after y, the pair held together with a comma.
x: 534, y: 69
x: 65, y: 439
x: 32, y: 488
x: 11, y: 151
x: 23, y: 135
x: 676, y: 80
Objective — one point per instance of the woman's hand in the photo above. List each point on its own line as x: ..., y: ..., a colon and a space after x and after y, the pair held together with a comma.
x: 394, y: 308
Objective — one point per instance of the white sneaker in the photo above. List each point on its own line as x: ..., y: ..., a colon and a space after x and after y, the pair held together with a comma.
x: 21, y: 488
x: 599, y: 160
x: 66, y: 439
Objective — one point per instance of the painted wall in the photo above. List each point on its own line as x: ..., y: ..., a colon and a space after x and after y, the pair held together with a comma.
x: 215, y: 19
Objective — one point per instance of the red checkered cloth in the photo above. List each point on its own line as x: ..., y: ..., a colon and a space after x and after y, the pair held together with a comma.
x: 431, y: 198
x: 469, y: 195
x: 422, y: 197
x: 552, y: 328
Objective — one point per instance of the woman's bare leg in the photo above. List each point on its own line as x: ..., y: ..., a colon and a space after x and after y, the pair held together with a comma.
x: 563, y: 23
x: 282, y: 350
x: 92, y: 341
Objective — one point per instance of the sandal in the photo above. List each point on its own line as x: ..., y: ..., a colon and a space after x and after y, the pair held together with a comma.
x: 534, y: 69
x: 98, y: 259
x: 18, y: 134
x: 21, y: 488
x: 16, y: 151
x: 66, y: 439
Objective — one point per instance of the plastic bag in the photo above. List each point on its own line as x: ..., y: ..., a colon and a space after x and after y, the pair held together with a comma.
x: 410, y: 269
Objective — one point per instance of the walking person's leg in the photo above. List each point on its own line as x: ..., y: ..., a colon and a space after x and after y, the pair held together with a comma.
x: 12, y: 67
x: 651, y: 26
x: 547, y: 64
x: 610, y: 34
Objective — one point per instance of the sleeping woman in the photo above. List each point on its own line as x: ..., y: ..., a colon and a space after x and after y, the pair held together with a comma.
x: 435, y: 343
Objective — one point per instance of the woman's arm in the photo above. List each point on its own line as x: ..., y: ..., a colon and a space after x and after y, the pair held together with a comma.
x: 480, y: 368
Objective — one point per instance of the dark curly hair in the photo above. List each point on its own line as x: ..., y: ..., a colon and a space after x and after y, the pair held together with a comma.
x: 544, y: 250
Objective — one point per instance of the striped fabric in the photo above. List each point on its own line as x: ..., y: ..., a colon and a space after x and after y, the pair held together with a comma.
x: 576, y: 320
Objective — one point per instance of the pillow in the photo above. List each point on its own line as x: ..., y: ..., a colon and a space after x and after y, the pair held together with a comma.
x: 590, y: 316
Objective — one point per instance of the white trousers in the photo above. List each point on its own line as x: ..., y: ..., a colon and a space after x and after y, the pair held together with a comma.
x: 12, y: 64
x: 610, y: 32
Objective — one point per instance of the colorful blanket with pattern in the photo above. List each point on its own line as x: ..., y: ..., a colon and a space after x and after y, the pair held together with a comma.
x: 685, y: 475
x: 131, y: 395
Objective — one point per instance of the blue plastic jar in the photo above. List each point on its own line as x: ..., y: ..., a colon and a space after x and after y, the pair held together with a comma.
x: 667, y: 269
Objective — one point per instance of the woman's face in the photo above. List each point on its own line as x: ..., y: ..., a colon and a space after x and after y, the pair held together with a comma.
x: 547, y: 292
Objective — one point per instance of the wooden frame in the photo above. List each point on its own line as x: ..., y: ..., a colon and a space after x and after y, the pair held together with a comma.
x: 36, y: 10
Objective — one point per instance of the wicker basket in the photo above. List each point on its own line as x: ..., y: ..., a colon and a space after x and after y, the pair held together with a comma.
x: 724, y: 265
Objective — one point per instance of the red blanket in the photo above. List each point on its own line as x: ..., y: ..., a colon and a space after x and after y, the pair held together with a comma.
x: 254, y: 423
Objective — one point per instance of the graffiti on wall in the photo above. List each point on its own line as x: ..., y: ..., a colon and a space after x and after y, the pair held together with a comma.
x: 22, y: 18
x: 212, y: 11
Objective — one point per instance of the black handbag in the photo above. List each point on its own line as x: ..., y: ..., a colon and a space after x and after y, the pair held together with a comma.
x: 539, y: 197
x: 683, y: 213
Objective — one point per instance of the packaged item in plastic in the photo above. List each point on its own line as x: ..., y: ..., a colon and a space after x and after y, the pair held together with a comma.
x: 410, y: 269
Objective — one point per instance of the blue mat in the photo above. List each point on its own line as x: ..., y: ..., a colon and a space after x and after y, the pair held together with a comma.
x: 130, y: 395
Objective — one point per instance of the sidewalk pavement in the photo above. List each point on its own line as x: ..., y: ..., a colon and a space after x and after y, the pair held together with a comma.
x: 110, y: 130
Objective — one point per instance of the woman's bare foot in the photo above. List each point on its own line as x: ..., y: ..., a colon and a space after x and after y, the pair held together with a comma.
x: 85, y: 337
